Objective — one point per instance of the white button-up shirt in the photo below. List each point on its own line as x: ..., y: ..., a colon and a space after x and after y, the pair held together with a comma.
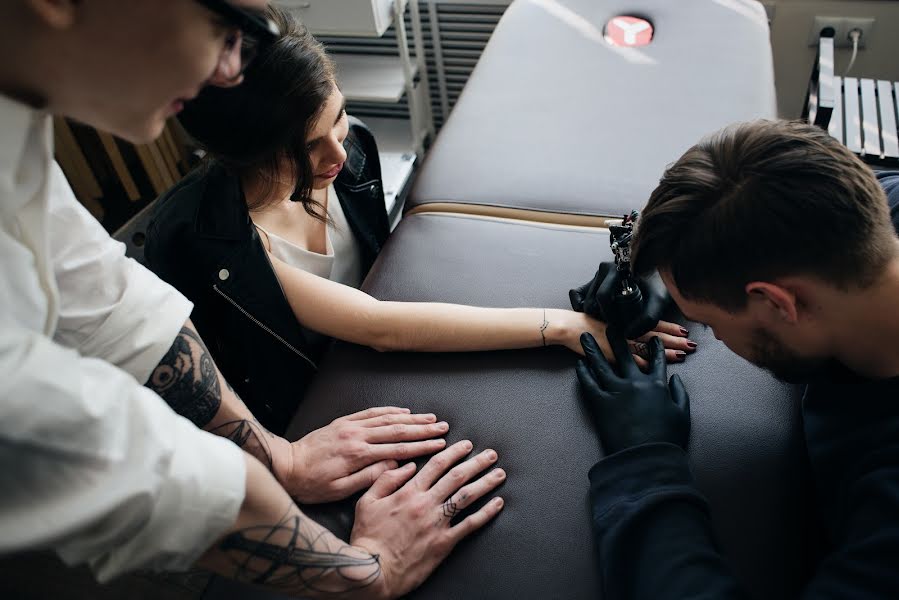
x: 92, y: 463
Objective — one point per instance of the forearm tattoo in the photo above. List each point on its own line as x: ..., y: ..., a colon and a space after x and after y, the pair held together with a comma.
x: 298, y: 555
x: 187, y: 379
x: 251, y: 436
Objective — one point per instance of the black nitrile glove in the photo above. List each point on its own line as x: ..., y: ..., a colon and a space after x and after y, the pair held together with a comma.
x: 595, y: 298
x: 633, y: 408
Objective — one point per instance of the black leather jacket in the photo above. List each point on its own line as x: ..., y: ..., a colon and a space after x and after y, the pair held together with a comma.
x: 201, y: 241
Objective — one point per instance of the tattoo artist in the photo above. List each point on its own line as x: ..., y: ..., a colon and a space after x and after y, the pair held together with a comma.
x: 813, y: 302
x: 120, y: 476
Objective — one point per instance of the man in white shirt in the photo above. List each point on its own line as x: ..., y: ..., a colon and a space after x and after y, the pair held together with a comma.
x: 99, y: 467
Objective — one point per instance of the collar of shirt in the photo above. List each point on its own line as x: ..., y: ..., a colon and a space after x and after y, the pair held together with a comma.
x: 26, y: 145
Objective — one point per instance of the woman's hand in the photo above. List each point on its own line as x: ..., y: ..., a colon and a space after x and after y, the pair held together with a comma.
x: 673, y: 336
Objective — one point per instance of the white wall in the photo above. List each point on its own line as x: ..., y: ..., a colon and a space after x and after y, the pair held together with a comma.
x: 793, y: 58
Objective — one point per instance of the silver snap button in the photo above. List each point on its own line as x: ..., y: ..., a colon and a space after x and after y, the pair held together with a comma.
x: 224, y: 274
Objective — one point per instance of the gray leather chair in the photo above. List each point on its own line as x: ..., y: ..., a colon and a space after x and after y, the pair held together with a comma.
x: 555, y: 127
x: 556, y: 122
x: 746, y: 447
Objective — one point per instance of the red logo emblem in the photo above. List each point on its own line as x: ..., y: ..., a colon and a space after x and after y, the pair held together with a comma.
x: 628, y: 31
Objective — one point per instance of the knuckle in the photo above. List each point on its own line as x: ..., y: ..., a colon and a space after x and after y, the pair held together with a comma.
x: 356, y: 451
x: 457, y: 476
x: 402, y: 451
x: 397, y: 430
x: 345, y: 433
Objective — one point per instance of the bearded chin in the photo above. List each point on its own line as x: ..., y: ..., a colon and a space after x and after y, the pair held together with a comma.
x: 770, y: 354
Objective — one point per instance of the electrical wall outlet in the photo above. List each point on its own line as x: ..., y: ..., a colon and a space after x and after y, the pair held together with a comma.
x: 841, y: 27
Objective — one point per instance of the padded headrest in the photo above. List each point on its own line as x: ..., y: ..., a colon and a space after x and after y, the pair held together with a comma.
x: 554, y: 119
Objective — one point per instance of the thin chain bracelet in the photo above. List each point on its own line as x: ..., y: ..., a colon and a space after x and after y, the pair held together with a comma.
x: 543, y: 328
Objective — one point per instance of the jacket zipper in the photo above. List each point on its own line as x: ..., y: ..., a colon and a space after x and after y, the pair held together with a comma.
x: 264, y: 328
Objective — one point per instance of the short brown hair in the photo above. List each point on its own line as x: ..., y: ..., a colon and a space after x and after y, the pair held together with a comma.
x: 762, y: 200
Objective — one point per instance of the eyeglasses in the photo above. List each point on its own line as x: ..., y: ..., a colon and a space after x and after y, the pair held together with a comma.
x: 253, y: 30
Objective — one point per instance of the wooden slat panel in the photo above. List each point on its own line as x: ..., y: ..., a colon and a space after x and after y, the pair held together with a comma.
x: 168, y: 158
x: 146, y: 159
x: 870, y: 123
x: 69, y: 144
x: 174, y: 148
x: 161, y: 167
x: 835, y: 128
x: 118, y: 163
x: 888, y: 131
x: 851, y: 116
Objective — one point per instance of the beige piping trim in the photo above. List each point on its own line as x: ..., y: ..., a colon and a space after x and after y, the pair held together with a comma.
x: 515, y: 214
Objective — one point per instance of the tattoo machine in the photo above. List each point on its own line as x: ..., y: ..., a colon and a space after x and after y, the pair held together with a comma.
x: 628, y: 300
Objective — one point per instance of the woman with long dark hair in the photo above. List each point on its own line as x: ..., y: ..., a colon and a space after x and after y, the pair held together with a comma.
x: 273, y: 237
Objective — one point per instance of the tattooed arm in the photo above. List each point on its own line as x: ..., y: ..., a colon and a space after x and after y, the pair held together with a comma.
x: 189, y: 381
x: 328, y: 464
x: 402, y: 531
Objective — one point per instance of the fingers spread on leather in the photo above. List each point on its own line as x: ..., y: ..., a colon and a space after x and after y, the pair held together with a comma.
x: 404, y: 450
x: 462, y: 473
x: 401, y: 419
x: 363, y: 479
x: 374, y: 412
x: 673, y: 342
x: 477, y: 520
x: 404, y: 433
x: 389, y: 482
x: 440, y: 464
x: 669, y: 328
x: 467, y: 495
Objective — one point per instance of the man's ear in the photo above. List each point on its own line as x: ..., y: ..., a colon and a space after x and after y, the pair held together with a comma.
x: 58, y: 14
x: 778, y: 299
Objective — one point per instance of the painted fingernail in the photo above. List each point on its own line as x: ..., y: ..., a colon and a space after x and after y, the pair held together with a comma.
x: 681, y: 355
x: 490, y: 455
x: 684, y: 331
x: 691, y: 345
x: 443, y: 426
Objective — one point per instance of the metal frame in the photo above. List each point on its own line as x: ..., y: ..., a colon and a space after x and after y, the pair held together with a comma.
x: 821, y: 96
x: 852, y: 109
x: 418, y: 94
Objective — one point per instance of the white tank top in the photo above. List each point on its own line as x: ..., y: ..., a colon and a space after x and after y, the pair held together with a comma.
x: 340, y: 262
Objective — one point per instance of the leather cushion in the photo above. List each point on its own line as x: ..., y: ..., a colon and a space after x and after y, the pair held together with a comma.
x: 746, y: 446
x: 551, y: 107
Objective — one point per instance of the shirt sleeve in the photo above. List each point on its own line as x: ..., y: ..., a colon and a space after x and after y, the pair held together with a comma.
x: 99, y: 468
x: 653, y: 531
x: 111, y: 307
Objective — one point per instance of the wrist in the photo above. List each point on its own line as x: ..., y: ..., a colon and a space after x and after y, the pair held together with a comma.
x: 283, y: 462
x: 564, y: 327
x: 379, y: 588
